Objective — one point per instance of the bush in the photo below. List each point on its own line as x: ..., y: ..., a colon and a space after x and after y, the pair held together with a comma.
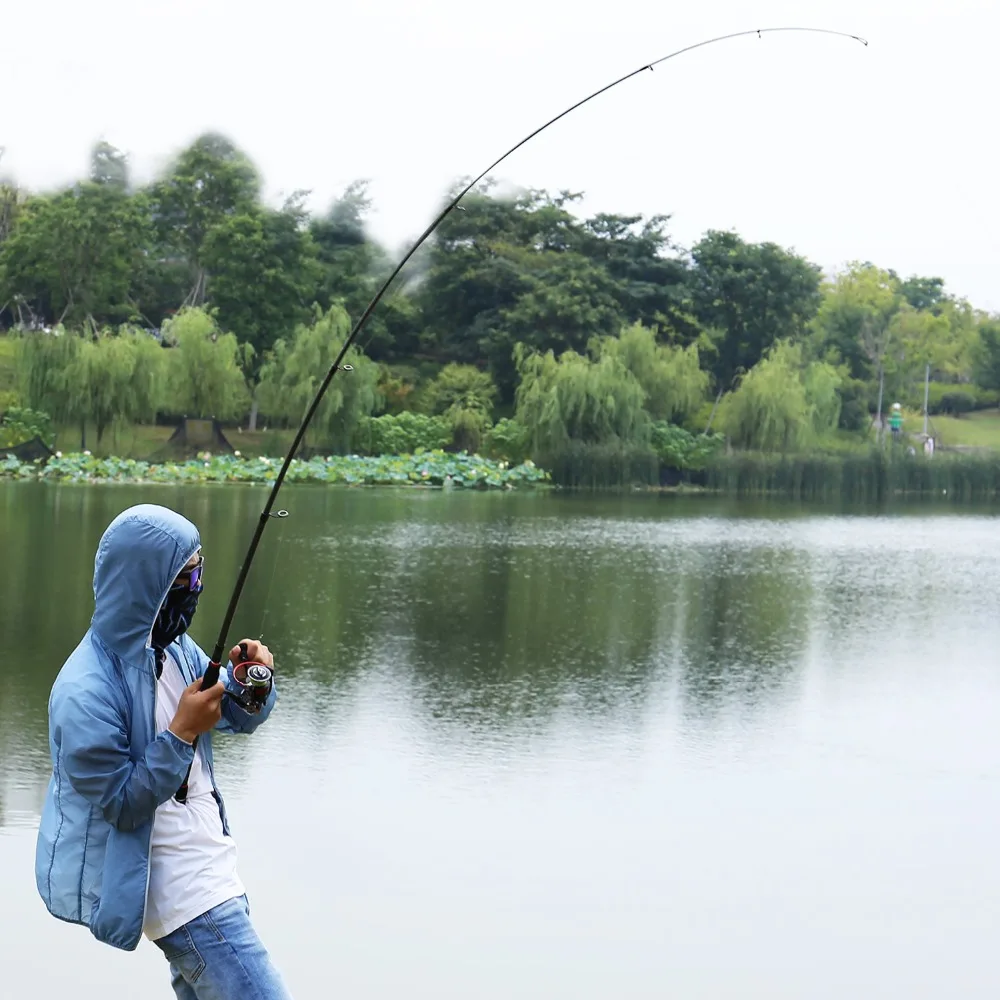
x: 507, y: 440
x: 953, y: 398
x: 402, y: 433
x: 856, y: 404
x: 20, y: 424
x: 678, y: 448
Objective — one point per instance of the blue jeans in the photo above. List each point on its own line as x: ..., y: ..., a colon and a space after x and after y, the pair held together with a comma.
x: 218, y: 956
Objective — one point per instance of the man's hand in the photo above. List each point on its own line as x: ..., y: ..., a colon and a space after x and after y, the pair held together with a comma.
x: 198, y: 711
x: 257, y: 652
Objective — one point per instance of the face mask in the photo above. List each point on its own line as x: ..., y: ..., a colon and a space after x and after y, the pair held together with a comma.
x: 175, y: 616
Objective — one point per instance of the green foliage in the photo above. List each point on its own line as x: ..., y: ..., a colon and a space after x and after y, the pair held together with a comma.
x: 402, y: 433
x: 115, y: 379
x: 19, y: 424
x: 525, y: 270
x: 783, y: 404
x: 857, y: 401
x: 952, y: 398
x: 398, y: 389
x: 986, y: 354
x: 854, y: 317
x: 263, y: 275
x: 576, y: 399
x: 74, y: 253
x: 671, y: 378
x: 508, y: 440
x: 427, y: 469
x: 9, y: 396
x: 678, y: 448
x: 204, y: 377
x: 296, y: 368
x: 209, y: 182
x: 43, y: 364
x: 753, y: 294
x: 601, y: 464
x: 871, y: 476
x: 464, y: 395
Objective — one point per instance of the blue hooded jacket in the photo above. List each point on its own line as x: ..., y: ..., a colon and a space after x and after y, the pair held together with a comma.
x: 110, y: 769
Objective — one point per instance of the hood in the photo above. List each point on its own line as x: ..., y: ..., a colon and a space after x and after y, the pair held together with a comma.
x: 141, y: 553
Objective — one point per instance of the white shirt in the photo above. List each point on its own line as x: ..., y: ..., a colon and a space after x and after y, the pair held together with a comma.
x: 192, y: 863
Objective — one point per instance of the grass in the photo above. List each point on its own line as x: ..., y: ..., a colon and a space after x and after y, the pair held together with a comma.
x: 140, y: 441
x: 8, y: 373
x: 980, y: 429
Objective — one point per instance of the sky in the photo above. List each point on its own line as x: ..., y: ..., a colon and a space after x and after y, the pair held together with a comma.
x: 840, y: 152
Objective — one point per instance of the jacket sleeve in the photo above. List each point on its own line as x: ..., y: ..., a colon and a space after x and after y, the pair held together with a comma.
x: 94, y: 753
x: 234, y: 719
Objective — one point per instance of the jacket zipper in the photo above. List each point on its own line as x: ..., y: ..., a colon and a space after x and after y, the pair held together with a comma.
x: 149, y: 844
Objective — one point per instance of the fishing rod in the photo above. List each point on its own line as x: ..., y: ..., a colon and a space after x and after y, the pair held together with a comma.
x: 212, y: 673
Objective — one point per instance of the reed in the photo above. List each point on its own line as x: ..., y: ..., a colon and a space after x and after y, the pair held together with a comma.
x: 871, y: 476
x: 583, y: 465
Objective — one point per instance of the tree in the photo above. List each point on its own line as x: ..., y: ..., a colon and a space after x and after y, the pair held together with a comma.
x: 209, y: 182
x: 854, y: 317
x: 671, y: 377
x: 465, y: 396
x: 42, y: 361
x: 525, y: 270
x: 109, y: 166
x: 105, y: 379
x: 987, y: 354
x: 752, y: 293
x: 923, y: 293
x: 574, y: 398
x: 205, y: 378
x: 783, y: 403
x: 651, y: 278
x: 114, y: 379
x: 264, y: 274
x: 296, y: 367
x: 352, y: 265
x: 72, y: 255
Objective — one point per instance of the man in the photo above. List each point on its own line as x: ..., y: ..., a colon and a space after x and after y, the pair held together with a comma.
x: 896, y: 421
x: 118, y: 849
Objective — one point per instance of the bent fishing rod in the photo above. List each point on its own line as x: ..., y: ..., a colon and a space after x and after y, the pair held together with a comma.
x: 212, y: 673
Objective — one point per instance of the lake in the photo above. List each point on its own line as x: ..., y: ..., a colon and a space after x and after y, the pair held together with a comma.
x: 540, y: 745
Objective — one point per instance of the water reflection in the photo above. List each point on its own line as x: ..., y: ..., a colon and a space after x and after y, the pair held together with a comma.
x: 490, y: 613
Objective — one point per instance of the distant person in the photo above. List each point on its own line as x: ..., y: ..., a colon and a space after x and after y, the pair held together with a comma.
x: 929, y: 446
x: 121, y: 848
x: 896, y: 421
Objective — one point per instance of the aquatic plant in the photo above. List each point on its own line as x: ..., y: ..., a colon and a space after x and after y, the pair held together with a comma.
x: 428, y: 468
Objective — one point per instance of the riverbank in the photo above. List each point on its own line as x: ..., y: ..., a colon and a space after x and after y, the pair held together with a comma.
x: 874, y: 476
x: 432, y: 468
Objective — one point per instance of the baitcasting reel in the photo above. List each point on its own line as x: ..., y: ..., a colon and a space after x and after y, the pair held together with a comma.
x: 253, y: 681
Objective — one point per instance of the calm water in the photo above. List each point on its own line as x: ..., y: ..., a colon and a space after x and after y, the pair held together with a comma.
x: 532, y: 746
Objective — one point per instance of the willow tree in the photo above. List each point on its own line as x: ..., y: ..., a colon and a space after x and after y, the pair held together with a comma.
x: 783, y: 403
x: 43, y: 361
x: 296, y: 367
x: 204, y: 374
x: 671, y: 377
x: 575, y: 398
x: 115, y: 379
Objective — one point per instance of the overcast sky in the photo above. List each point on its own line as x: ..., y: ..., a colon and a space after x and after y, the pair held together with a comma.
x: 887, y: 153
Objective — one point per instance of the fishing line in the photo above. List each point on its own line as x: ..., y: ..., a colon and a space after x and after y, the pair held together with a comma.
x: 212, y: 673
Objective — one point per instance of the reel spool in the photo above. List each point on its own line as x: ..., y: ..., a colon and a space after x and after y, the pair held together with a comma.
x: 253, y: 680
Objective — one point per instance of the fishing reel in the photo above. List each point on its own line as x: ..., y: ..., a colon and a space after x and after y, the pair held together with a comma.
x: 253, y: 681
